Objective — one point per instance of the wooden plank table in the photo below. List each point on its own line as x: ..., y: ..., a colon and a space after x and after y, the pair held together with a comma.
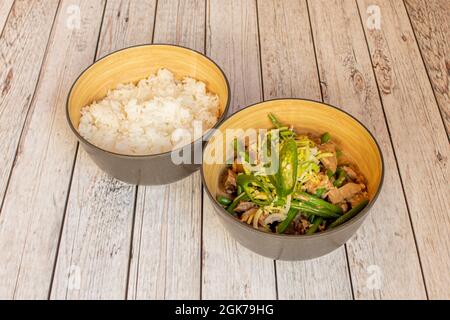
x: 69, y: 231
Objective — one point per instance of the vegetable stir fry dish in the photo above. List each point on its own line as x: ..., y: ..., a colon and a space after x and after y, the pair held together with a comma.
x: 315, y: 188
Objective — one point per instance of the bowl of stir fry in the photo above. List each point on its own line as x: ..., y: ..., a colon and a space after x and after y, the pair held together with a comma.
x: 292, y: 179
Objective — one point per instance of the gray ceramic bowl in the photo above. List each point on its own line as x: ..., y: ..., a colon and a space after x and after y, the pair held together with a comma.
x: 131, y: 65
x: 356, y: 142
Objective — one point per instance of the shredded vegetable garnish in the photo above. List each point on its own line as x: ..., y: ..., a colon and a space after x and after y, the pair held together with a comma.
x: 308, y: 191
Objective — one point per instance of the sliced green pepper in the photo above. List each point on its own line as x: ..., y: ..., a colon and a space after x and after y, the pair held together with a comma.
x: 286, y: 177
x: 245, y: 181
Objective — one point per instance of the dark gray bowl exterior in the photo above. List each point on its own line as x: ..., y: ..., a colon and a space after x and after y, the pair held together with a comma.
x: 288, y: 247
x: 143, y: 170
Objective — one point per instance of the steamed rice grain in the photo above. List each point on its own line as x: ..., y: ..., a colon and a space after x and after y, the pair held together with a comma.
x: 153, y: 116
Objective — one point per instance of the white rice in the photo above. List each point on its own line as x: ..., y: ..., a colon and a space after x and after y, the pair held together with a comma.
x: 153, y: 116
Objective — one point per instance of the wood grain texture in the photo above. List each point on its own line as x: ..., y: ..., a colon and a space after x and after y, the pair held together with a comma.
x: 126, y: 23
x: 5, y: 9
x: 230, y: 271
x: 166, y: 247
x: 95, y: 245
x: 348, y: 82
x: 232, y: 41
x: 168, y: 218
x: 289, y: 70
x: 181, y: 22
x: 22, y: 49
x: 33, y: 208
x: 160, y: 229
x: 418, y: 137
x: 431, y: 25
x: 94, y: 254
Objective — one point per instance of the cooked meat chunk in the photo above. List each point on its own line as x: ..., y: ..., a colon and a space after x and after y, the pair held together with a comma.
x: 248, y: 213
x: 347, y: 191
x: 350, y: 189
x: 301, y: 225
x: 323, y: 181
x: 229, y: 181
x: 358, y: 198
x: 314, y: 138
x: 344, y: 206
x: 322, y: 227
x: 353, y: 174
x: 244, y: 206
x: 329, y: 163
x: 327, y: 147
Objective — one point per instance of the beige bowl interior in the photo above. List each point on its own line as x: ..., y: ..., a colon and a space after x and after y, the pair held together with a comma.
x: 353, y: 139
x: 136, y: 63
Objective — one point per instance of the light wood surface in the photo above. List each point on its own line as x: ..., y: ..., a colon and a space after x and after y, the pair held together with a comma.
x: 108, y: 205
x: 29, y: 238
x: 5, y: 9
x: 348, y: 82
x: 230, y: 271
x: 289, y: 70
x: 431, y: 27
x: 419, y: 139
x: 22, y: 51
x: 68, y: 231
x: 167, y: 238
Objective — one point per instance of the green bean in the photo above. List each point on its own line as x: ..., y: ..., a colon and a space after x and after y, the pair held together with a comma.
x: 311, y: 209
x: 329, y: 173
x: 242, y: 197
x: 353, y: 212
x: 317, y: 222
x: 292, y: 213
x: 318, y: 202
x: 325, y: 138
x: 340, y: 178
x: 275, y: 121
x: 225, y: 201
x: 319, y: 192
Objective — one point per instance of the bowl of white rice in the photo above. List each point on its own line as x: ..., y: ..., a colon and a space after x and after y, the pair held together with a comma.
x: 143, y: 113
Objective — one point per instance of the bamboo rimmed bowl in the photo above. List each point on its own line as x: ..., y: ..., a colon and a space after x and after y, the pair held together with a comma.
x: 357, y: 143
x: 131, y: 65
